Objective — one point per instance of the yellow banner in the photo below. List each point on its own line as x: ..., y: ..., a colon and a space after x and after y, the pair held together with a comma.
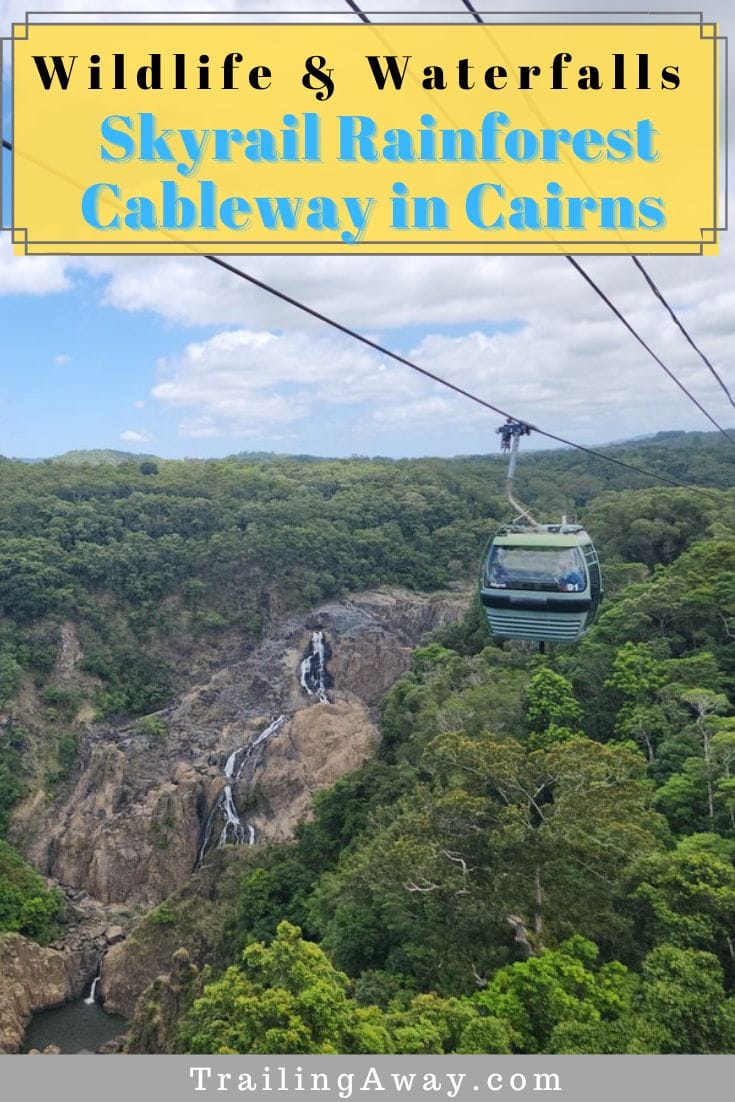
x: 532, y: 138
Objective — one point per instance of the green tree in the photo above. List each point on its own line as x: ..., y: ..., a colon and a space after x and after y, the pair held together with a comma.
x: 683, y: 1006
x: 502, y: 842
x: 286, y: 998
x: 550, y: 702
x: 683, y: 798
x: 26, y: 904
x: 638, y: 676
x: 10, y: 671
x: 557, y: 988
x: 684, y: 898
x: 723, y: 763
x: 11, y: 773
x: 705, y: 703
x: 432, y: 1025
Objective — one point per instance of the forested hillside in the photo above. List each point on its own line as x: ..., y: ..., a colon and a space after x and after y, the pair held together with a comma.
x: 142, y: 553
x: 541, y: 857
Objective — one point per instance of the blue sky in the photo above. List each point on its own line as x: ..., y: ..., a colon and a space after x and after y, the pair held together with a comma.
x: 177, y: 358
x: 73, y: 370
x: 76, y: 373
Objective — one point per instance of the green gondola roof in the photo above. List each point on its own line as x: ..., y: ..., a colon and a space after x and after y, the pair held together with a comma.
x: 542, y: 539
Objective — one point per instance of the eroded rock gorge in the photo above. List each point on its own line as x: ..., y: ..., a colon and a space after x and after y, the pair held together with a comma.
x: 128, y: 828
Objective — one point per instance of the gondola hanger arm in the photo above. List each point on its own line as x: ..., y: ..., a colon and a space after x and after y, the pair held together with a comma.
x: 510, y: 435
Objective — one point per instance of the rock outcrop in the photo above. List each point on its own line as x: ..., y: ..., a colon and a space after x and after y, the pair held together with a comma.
x: 153, y: 1029
x: 31, y: 978
x: 126, y: 831
x: 317, y: 747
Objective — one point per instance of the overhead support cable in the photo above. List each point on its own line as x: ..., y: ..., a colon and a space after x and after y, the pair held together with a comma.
x: 634, y: 332
x: 384, y: 351
x: 677, y: 322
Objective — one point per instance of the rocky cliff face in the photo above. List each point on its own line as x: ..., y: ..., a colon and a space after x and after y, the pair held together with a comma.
x: 33, y: 978
x: 30, y: 978
x: 129, y: 828
x: 154, y: 1026
x: 318, y: 746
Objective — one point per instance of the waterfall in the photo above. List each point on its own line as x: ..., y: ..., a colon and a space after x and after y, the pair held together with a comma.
x: 313, y: 672
x: 314, y: 680
x: 234, y: 830
x: 90, y: 999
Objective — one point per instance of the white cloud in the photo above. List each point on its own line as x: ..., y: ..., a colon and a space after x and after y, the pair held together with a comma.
x: 376, y: 294
x: 140, y: 404
x: 572, y: 369
x: 136, y: 436
x: 31, y: 275
x: 62, y: 359
x: 248, y: 383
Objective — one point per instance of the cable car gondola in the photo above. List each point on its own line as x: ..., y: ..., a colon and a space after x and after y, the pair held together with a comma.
x: 541, y: 583
x: 538, y: 582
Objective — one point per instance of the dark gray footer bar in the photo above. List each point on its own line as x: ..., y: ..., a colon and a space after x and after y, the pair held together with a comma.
x: 366, y: 1078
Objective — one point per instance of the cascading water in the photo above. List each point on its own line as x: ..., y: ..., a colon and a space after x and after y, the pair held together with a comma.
x: 313, y: 672
x: 90, y: 999
x: 234, y: 830
x: 81, y: 1025
x: 314, y: 680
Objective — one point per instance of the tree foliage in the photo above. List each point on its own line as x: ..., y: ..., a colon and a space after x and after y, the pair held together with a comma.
x: 27, y: 906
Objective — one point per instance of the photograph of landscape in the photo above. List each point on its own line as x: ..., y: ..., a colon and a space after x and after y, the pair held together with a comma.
x: 319, y: 734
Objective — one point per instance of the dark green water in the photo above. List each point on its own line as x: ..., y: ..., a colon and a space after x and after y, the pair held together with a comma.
x: 73, y: 1027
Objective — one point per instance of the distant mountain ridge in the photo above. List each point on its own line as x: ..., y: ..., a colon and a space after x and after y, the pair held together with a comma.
x: 103, y: 456
x: 115, y: 457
